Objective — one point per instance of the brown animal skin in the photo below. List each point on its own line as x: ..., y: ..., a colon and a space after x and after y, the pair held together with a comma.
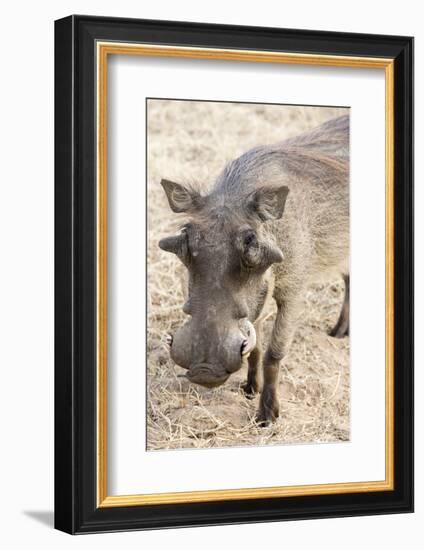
x: 276, y: 220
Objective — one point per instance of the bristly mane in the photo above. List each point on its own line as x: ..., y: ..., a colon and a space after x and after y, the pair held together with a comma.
x: 315, y: 154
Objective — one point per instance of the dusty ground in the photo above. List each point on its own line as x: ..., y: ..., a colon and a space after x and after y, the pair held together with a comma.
x: 191, y: 142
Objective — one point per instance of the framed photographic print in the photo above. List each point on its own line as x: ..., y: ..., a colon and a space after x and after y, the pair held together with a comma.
x: 234, y: 274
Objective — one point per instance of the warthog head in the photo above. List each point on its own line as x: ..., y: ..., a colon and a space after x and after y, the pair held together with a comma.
x: 227, y: 255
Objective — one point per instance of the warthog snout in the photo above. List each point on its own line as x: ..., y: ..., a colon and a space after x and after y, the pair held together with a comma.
x: 214, y: 353
x: 209, y: 376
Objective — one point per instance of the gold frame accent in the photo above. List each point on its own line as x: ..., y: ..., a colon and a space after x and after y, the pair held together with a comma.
x: 104, y: 49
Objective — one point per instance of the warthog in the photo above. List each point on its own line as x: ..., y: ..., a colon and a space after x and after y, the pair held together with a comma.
x: 276, y: 219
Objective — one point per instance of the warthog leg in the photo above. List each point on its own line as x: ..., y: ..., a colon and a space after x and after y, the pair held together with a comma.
x: 342, y: 326
x: 281, y: 338
x: 252, y: 385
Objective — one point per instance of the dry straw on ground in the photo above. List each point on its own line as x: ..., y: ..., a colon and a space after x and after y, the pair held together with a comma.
x: 191, y: 142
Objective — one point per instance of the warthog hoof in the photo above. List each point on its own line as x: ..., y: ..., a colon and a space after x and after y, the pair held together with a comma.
x: 269, y: 408
x: 250, y: 389
x: 339, y: 331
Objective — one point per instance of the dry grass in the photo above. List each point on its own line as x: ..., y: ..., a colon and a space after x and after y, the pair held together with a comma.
x: 191, y: 142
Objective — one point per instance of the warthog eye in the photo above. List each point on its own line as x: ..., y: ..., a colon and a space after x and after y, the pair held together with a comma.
x: 249, y: 238
x: 255, y: 254
x: 250, y: 249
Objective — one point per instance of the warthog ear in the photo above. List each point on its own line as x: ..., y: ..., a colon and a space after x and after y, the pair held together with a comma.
x: 267, y: 203
x: 180, y: 199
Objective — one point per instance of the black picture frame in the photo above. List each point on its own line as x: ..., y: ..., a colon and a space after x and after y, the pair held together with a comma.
x: 76, y: 508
